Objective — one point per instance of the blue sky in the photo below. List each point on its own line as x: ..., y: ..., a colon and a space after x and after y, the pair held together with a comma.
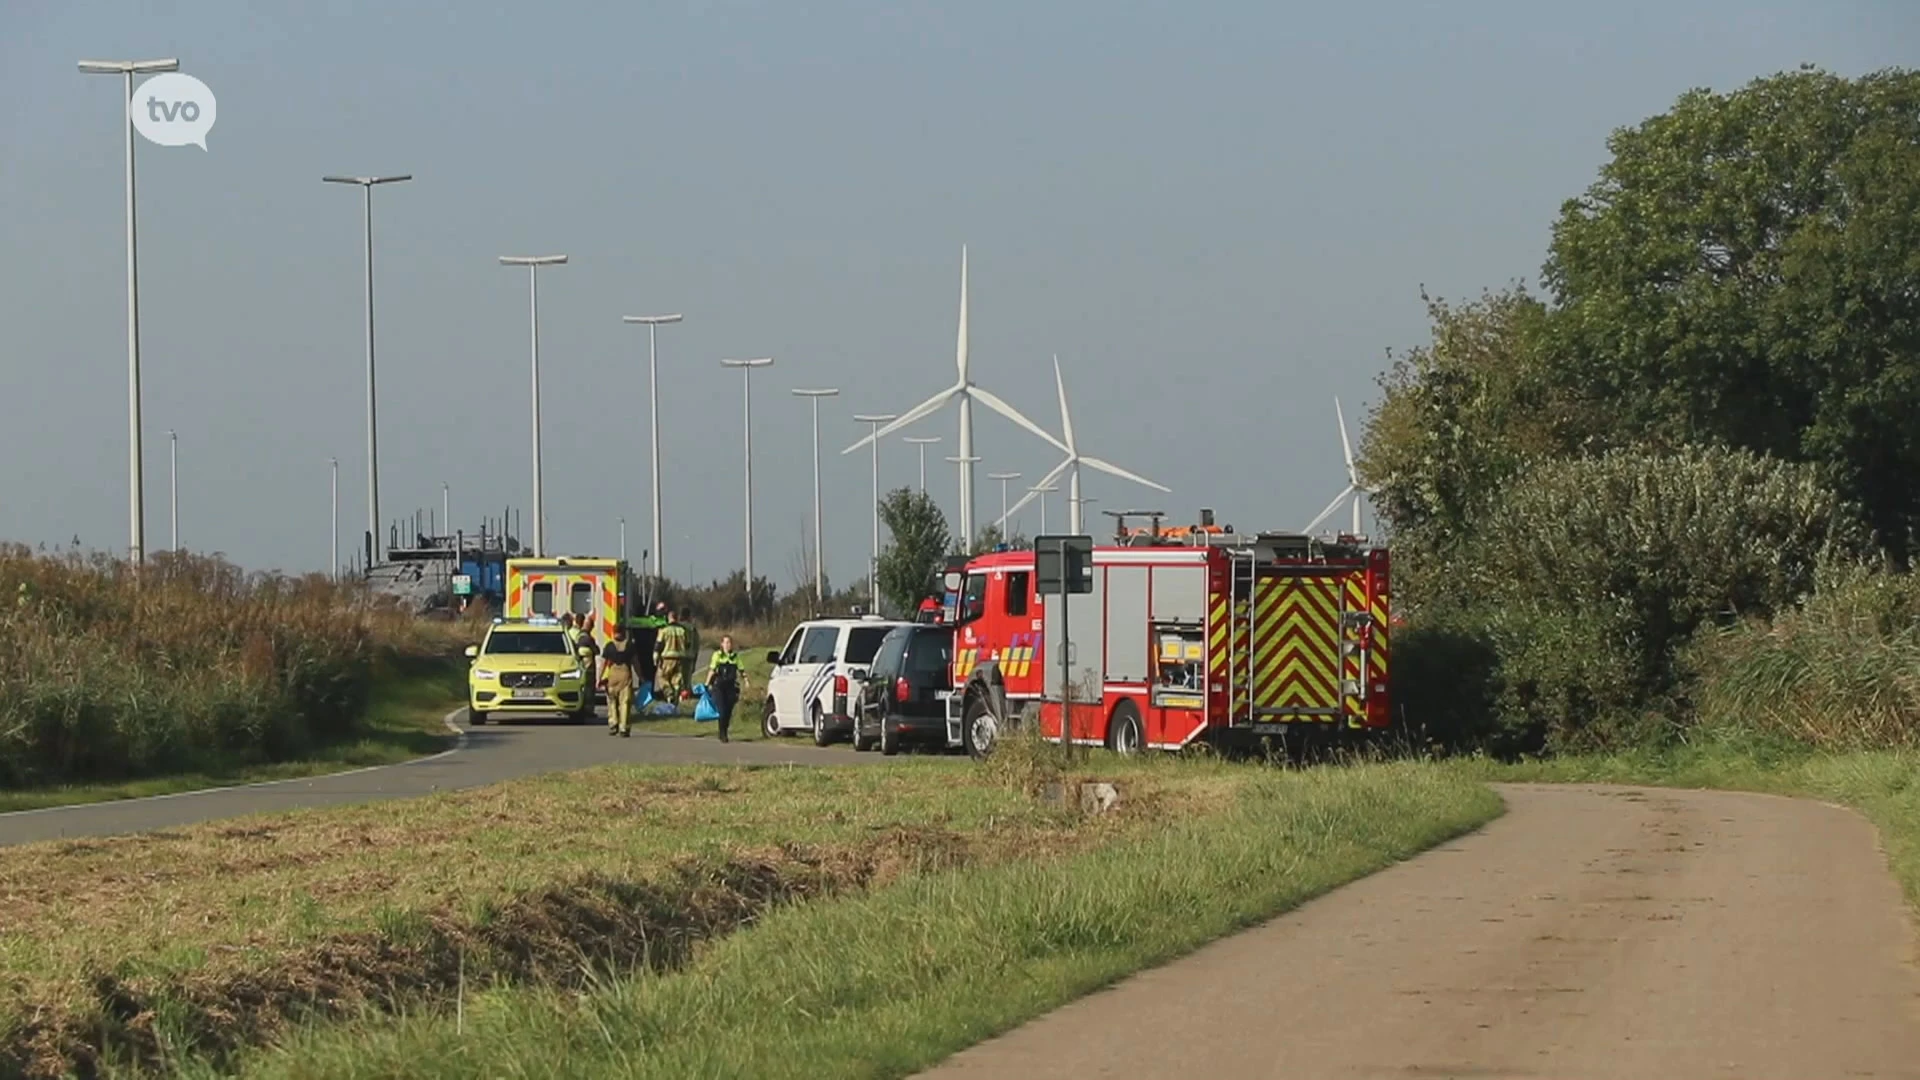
x: 1218, y: 215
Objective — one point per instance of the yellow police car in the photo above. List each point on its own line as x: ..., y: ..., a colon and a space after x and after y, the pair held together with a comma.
x: 530, y: 666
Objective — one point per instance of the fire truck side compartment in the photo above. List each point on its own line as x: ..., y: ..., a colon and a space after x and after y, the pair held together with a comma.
x: 1126, y: 661
x: 1084, y: 620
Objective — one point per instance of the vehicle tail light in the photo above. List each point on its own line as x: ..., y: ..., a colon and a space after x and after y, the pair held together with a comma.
x: 901, y: 691
x: 840, y: 684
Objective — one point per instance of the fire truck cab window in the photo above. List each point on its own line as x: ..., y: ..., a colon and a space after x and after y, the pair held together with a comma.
x: 543, y: 599
x: 580, y: 598
x: 1018, y: 585
x: 973, y: 601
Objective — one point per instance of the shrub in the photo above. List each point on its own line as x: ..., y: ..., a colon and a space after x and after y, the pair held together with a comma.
x: 190, y: 662
x: 1588, y: 576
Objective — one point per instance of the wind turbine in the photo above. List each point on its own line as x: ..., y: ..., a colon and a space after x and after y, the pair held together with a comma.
x: 1075, y: 459
x: 966, y: 393
x: 1353, y: 488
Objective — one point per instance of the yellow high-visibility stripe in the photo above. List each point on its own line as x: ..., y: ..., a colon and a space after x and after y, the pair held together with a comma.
x: 1294, y: 660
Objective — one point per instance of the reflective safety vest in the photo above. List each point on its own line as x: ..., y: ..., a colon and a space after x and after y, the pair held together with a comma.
x: 726, y: 668
x: 673, y: 641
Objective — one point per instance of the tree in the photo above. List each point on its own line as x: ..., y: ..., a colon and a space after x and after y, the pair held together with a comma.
x: 918, y: 541
x: 1746, y: 270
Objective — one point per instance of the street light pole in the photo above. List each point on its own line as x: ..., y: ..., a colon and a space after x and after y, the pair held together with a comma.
x: 333, y: 545
x: 923, y: 441
x: 819, y: 552
x: 533, y: 263
x: 623, y: 539
x: 367, y: 184
x: 873, y: 563
x: 1041, y: 490
x: 746, y: 426
x: 446, y: 509
x: 136, y: 503
x: 1003, y: 477
x: 653, y: 322
x: 173, y: 485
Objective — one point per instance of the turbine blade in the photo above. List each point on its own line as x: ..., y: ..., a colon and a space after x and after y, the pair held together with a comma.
x: 1109, y: 467
x: 1345, y: 446
x: 1013, y: 414
x: 1066, y: 420
x: 925, y: 408
x: 1328, y: 512
x: 960, y: 346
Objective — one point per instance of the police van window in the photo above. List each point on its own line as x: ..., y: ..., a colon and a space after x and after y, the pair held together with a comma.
x: 543, y: 599
x: 817, y: 648
x: 973, y: 602
x: 1017, y: 587
x: 791, y: 653
x: 580, y: 601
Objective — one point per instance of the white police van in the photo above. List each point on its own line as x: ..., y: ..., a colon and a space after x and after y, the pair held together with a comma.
x: 818, y: 676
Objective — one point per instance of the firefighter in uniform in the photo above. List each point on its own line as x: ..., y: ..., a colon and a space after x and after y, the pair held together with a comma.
x: 617, y: 677
x: 672, y: 647
x: 725, y: 681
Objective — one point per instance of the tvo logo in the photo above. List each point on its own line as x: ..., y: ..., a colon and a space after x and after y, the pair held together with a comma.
x: 173, y: 110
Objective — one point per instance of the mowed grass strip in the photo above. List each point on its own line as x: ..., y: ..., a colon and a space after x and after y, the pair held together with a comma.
x: 884, y: 982
x: 141, y: 940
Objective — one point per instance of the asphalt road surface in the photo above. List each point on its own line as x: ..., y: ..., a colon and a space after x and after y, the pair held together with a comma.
x: 485, y: 755
x: 1590, y: 932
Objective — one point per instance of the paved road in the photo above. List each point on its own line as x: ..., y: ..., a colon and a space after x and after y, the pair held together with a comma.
x: 1590, y: 932
x: 485, y: 755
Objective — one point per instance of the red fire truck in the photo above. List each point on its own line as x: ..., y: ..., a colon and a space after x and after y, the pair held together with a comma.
x: 1192, y: 633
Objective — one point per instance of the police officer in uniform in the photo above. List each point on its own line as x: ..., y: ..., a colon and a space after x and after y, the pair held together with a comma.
x: 725, y: 681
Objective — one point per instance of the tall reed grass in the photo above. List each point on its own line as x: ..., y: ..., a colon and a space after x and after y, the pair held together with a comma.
x: 1840, y: 672
x: 190, y: 662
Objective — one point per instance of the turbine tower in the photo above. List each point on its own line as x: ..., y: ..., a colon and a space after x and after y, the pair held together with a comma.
x: 966, y: 392
x: 1074, y: 460
x: 1353, y: 488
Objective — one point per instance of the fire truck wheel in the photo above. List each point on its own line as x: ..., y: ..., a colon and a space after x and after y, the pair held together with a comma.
x: 770, y: 723
x: 1123, y: 735
x: 978, y: 729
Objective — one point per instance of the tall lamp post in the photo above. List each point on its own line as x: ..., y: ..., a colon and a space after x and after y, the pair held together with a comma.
x: 173, y: 485
x: 623, y: 539
x: 1042, y: 490
x: 136, y: 503
x: 1003, y: 477
x: 923, y: 441
x: 533, y: 263
x: 333, y: 545
x: 446, y: 509
x: 367, y: 184
x: 873, y: 561
x: 819, y: 552
x: 653, y: 323
x: 746, y: 426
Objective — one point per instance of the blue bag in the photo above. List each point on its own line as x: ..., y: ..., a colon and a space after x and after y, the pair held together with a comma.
x: 703, y: 709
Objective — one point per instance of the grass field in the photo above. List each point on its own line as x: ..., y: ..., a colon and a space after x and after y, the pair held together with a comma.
x: 403, y: 720
x: 644, y: 920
